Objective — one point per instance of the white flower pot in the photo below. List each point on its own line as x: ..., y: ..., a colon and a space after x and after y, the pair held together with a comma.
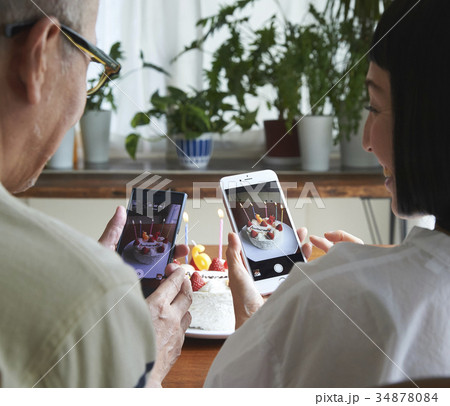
x: 315, y: 136
x: 63, y: 157
x: 194, y: 153
x: 353, y: 155
x: 95, y: 127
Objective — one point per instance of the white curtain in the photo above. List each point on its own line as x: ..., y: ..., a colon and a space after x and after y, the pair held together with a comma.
x: 161, y: 29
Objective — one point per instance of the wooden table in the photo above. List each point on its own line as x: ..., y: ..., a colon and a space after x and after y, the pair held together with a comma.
x: 197, y: 354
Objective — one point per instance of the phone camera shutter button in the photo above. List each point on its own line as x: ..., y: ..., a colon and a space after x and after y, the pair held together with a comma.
x: 278, y: 268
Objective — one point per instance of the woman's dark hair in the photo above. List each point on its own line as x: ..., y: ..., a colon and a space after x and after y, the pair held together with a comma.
x: 412, y: 42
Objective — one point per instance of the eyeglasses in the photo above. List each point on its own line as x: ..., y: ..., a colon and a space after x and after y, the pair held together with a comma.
x: 110, y: 66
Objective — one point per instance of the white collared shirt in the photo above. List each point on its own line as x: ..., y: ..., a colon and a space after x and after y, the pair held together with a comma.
x: 359, y: 316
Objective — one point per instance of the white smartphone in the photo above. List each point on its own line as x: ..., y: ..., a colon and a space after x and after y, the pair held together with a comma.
x: 259, y: 215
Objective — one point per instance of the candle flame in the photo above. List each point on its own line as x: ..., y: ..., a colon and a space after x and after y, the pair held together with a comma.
x: 220, y: 213
x: 185, y: 217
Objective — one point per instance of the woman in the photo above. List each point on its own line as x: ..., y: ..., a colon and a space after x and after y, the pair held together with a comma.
x: 363, y: 315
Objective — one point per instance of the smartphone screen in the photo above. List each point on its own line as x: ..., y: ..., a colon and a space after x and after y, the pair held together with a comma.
x: 268, y: 236
x: 148, y: 239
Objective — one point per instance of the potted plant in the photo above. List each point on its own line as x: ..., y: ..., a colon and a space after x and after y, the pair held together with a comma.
x: 192, y: 118
x: 250, y: 59
x: 320, y: 50
x: 96, y: 120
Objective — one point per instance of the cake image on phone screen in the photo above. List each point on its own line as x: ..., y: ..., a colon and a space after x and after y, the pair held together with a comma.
x: 265, y: 233
x: 150, y: 248
x: 260, y: 217
x: 148, y: 237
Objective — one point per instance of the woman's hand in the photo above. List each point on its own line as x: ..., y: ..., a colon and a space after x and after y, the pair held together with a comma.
x: 169, y: 306
x: 302, y: 233
x: 246, y: 298
x: 332, y: 238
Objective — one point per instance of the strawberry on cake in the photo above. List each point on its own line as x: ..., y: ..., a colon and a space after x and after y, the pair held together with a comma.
x: 265, y: 233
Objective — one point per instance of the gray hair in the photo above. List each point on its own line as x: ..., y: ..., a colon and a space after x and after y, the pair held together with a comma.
x: 69, y: 12
x: 72, y: 13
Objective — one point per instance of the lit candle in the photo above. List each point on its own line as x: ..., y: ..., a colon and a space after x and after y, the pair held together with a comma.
x: 276, y: 210
x: 151, y: 228
x: 134, y: 226
x: 140, y: 228
x: 265, y: 205
x: 186, y: 240
x: 242, y: 207
x: 164, y: 222
x: 282, y: 208
x: 254, y: 214
x: 220, y: 213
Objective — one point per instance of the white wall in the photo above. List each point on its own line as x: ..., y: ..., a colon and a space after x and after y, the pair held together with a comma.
x: 90, y: 216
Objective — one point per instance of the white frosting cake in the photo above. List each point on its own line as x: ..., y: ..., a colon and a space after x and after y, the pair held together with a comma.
x: 149, y: 250
x: 212, y: 305
x: 265, y: 234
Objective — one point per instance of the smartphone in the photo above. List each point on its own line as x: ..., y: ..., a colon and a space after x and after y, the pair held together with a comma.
x: 148, y: 238
x: 259, y: 215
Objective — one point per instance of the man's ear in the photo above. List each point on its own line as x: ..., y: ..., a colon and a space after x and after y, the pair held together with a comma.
x: 41, y: 49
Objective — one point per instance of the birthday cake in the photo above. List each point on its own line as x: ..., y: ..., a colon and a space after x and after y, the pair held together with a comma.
x: 265, y: 233
x: 149, y: 248
x: 212, y: 303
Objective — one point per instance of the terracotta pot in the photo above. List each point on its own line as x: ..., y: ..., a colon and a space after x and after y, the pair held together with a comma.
x: 287, y: 150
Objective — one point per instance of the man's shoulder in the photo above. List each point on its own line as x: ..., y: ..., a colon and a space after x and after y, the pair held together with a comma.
x: 55, y: 284
x: 38, y: 248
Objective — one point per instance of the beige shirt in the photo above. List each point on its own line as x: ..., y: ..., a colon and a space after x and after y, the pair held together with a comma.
x: 72, y: 313
x: 363, y: 316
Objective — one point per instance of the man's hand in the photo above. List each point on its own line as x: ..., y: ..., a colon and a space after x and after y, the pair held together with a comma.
x: 113, y: 230
x: 169, y: 306
x: 332, y: 238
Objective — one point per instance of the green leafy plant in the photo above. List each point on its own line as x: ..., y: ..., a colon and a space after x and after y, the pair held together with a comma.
x: 191, y: 114
x: 104, y: 96
x: 250, y: 59
x: 320, y: 52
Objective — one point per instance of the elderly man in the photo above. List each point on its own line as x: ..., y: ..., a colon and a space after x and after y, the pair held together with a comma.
x: 72, y: 311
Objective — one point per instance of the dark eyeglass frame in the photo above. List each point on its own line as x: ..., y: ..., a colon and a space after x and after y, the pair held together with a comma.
x: 111, y: 67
